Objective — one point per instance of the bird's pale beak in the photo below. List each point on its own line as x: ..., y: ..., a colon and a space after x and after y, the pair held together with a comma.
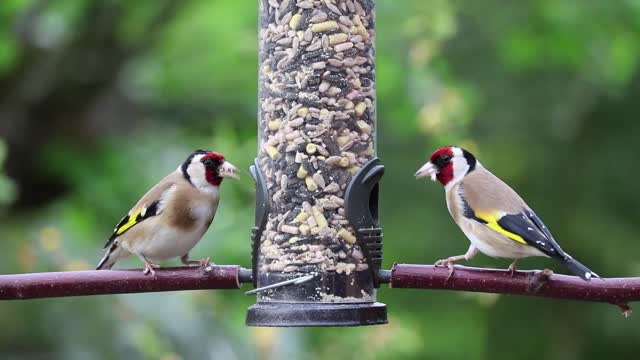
x: 228, y: 170
x: 427, y: 170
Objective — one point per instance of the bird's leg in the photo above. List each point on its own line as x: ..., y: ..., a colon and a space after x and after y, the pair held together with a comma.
x: 149, y: 266
x: 513, y: 267
x: 450, y: 261
x: 202, y: 263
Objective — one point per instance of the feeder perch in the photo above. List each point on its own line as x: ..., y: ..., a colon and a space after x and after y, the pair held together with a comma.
x: 317, y: 242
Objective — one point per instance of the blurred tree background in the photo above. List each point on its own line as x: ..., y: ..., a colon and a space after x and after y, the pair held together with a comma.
x: 100, y: 99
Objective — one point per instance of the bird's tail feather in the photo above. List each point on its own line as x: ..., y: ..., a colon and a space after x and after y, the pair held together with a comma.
x: 577, y: 268
x: 108, y: 260
x: 104, y: 265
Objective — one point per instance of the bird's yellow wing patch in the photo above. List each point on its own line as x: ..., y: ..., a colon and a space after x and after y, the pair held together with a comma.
x: 491, y: 218
x: 133, y: 219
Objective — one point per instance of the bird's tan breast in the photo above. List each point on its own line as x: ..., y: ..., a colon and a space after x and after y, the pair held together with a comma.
x: 190, y: 209
x: 454, y: 203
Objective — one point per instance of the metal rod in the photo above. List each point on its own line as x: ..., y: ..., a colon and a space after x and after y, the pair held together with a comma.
x: 384, y: 276
x: 616, y: 291
x: 245, y: 276
x: 296, y: 281
x: 94, y: 282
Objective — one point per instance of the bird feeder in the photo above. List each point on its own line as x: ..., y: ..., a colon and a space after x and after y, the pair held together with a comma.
x: 317, y: 242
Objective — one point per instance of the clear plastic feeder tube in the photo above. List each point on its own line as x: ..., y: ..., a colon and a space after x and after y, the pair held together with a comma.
x: 316, y: 126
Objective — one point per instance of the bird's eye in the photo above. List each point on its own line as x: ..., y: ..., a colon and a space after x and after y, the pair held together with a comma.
x: 208, y: 163
x: 442, y: 161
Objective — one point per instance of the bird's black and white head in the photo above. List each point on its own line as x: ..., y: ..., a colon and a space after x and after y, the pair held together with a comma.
x: 449, y: 165
x: 205, y: 169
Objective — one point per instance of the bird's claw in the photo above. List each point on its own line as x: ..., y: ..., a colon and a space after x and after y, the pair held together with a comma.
x: 441, y: 262
x: 513, y: 268
x: 449, y: 263
x: 202, y: 263
x: 148, y: 268
x: 205, y: 262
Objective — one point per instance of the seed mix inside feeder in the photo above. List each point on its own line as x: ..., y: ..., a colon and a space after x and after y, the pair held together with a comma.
x: 317, y: 244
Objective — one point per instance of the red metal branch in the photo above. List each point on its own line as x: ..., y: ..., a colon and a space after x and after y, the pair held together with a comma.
x: 79, y: 283
x: 617, y: 291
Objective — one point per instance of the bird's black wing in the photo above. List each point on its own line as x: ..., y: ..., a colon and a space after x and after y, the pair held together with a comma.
x: 533, y: 231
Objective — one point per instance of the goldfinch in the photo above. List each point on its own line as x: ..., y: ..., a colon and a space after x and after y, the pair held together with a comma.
x: 173, y: 216
x: 491, y: 214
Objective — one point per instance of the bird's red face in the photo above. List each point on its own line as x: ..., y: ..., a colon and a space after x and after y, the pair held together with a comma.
x: 217, y: 168
x: 212, y: 161
x: 204, y: 168
x: 448, y: 164
x: 441, y: 159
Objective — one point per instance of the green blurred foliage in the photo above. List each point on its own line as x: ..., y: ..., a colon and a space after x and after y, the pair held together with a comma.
x: 545, y: 92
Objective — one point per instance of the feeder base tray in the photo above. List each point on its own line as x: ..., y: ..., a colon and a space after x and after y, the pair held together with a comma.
x: 314, y: 314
